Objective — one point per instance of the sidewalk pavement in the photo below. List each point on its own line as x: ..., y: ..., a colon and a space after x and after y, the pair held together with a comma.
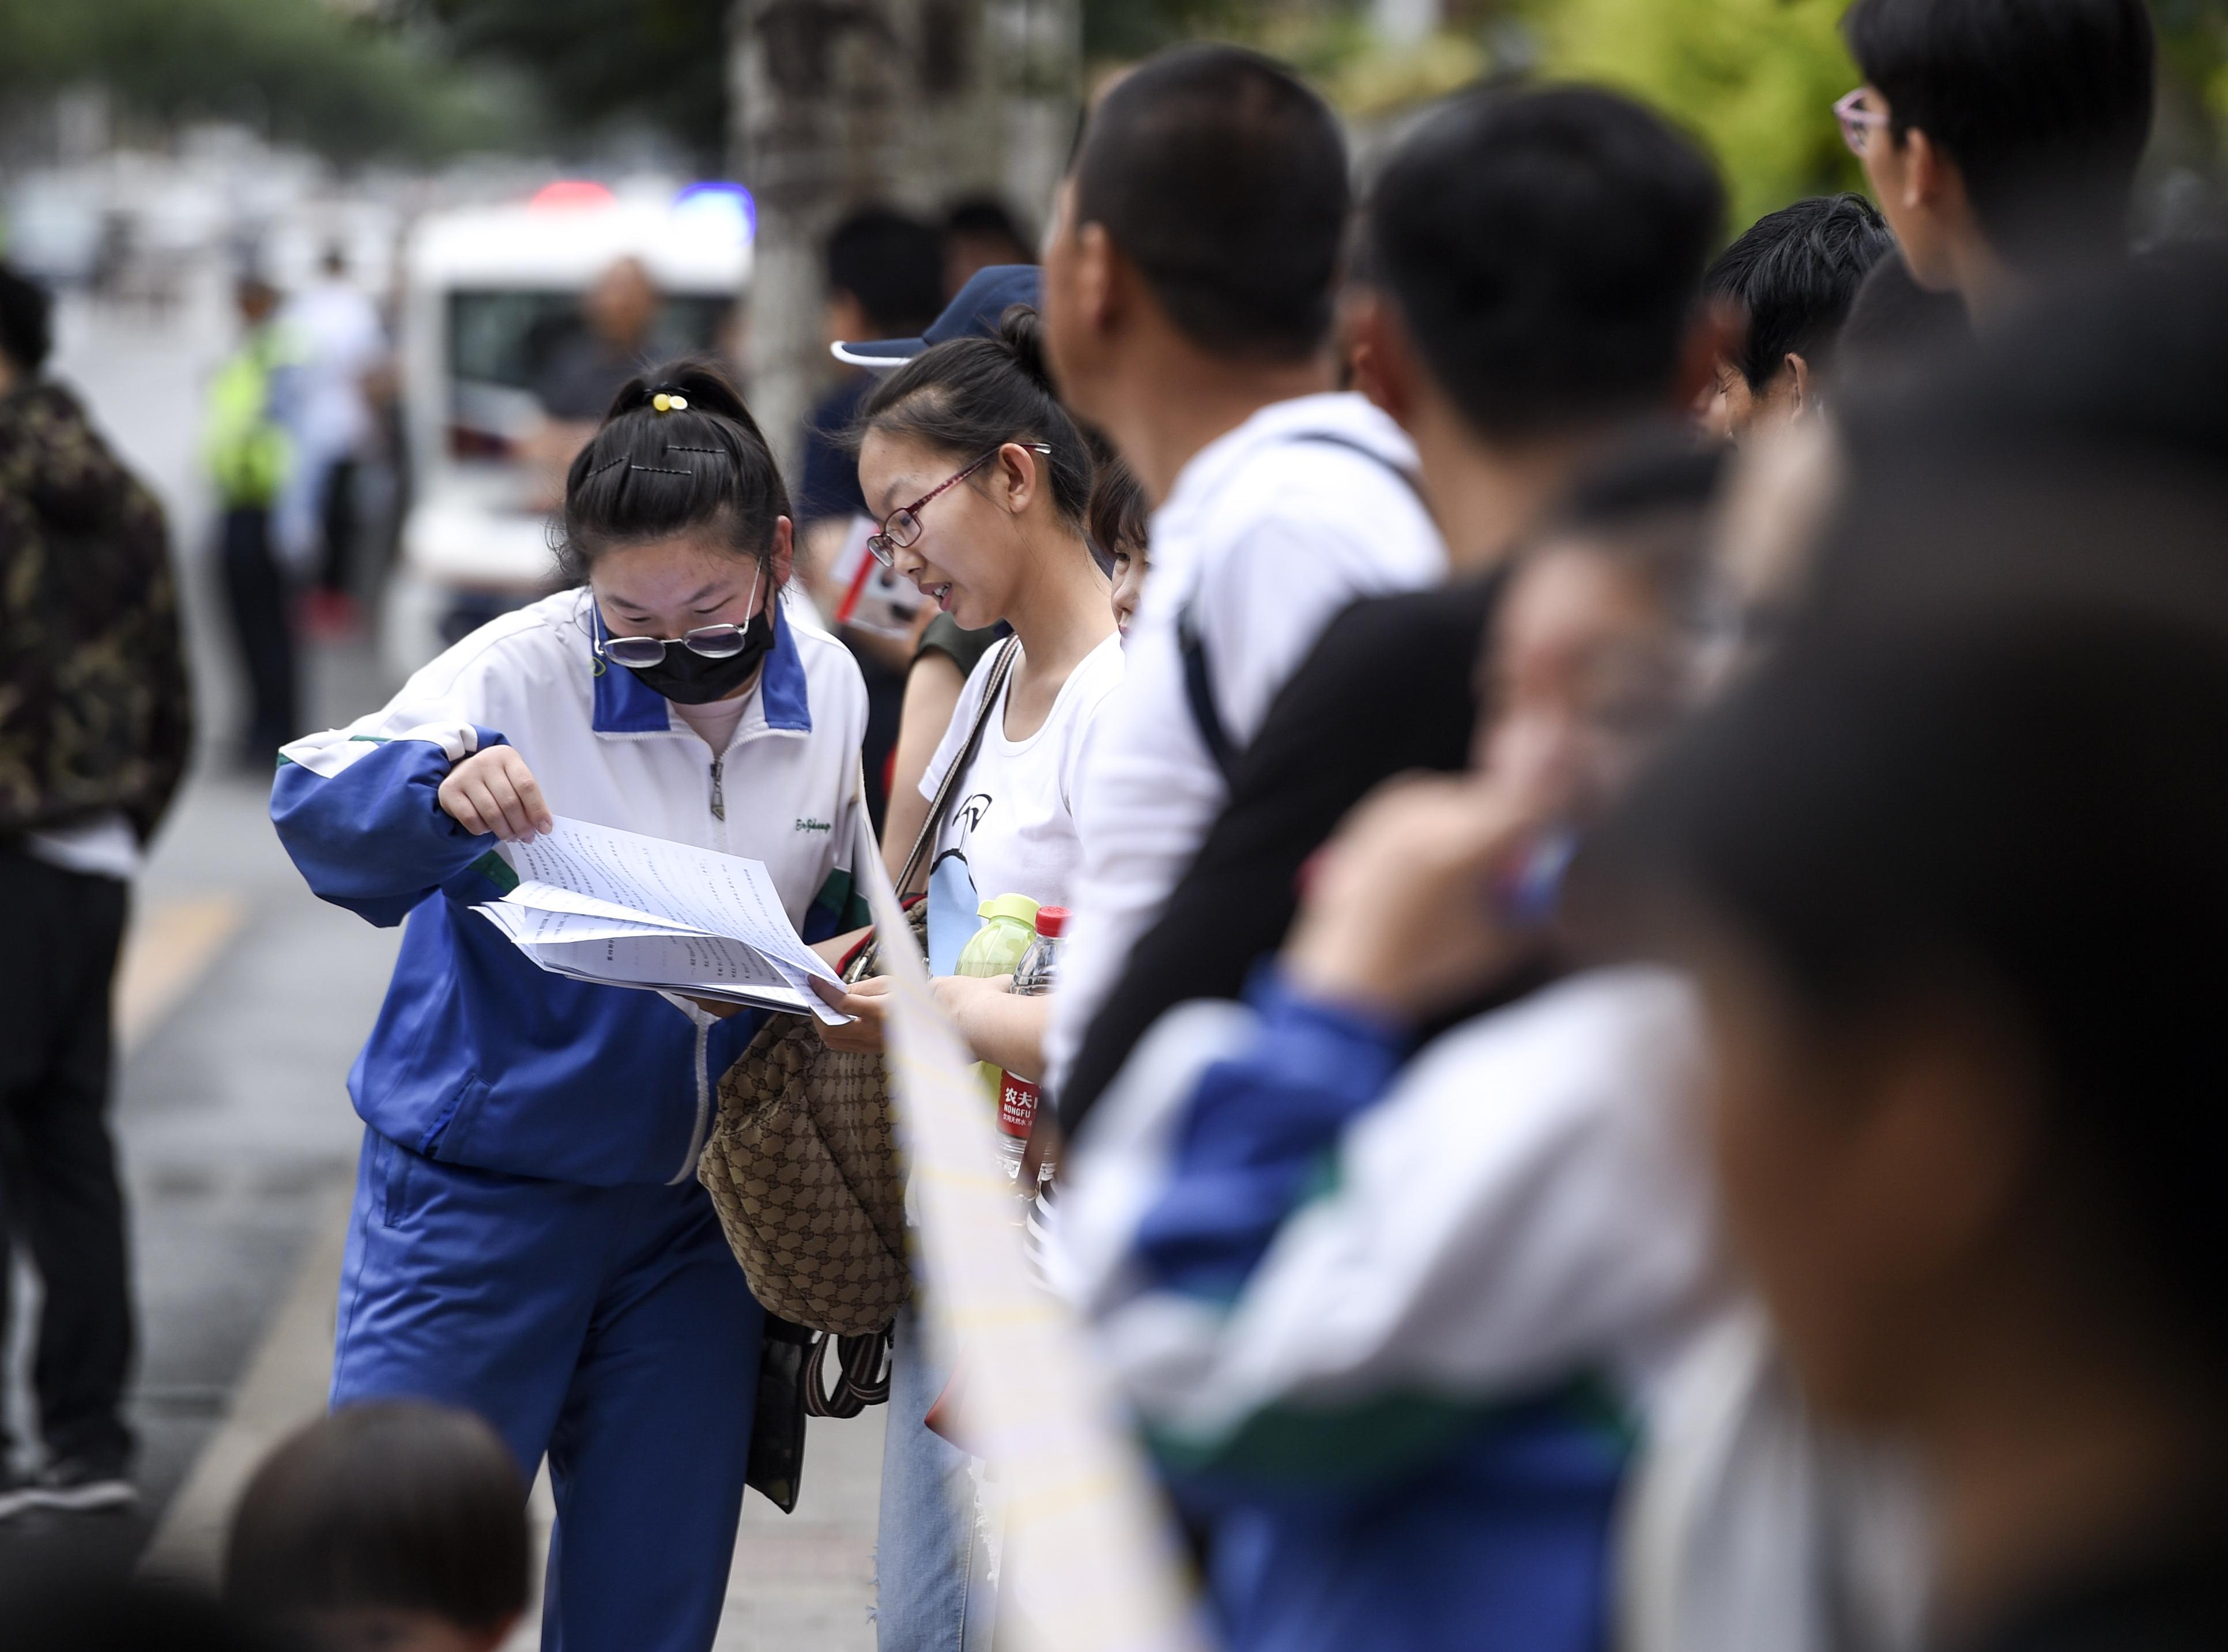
x: 801, y: 1583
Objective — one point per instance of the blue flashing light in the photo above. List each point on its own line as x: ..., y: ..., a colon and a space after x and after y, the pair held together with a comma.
x: 719, y: 206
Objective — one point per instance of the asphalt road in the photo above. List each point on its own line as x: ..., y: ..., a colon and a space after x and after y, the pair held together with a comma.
x: 245, y: 999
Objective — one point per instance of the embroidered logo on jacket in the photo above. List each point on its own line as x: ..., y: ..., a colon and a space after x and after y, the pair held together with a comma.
x: 815, y: 826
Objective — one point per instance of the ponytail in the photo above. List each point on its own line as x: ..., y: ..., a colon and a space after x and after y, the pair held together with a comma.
x: 697, y: 461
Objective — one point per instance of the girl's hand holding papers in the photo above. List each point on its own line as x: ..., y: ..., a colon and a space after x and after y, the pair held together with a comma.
x: 865, y: 1001
x: 494, y: 791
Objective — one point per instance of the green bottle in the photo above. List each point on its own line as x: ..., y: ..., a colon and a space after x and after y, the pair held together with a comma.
x: 1008, y: 928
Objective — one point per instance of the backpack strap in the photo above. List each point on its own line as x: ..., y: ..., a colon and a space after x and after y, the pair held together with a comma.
x: 1198, y: 692
x: 1199, y: 674
x: 1001, y: 668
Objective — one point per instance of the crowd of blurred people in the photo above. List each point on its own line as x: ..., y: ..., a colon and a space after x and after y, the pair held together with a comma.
x: 1632, y: 823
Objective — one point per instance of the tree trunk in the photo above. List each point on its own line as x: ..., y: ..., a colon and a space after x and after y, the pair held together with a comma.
x: 836, y: 104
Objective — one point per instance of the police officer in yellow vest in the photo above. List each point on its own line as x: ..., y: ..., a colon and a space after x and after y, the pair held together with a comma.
x: 247, y: 452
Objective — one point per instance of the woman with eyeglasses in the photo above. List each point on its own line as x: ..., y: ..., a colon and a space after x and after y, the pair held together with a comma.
x: 530, y: 1240
x: 983, y: 483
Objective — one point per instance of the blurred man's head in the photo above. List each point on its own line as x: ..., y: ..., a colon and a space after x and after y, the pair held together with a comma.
x: 885, y: 275
x: 1955, y: 1125
x: 26, y: 327
x: 1595, y: 651
x: 395, y: 1527
x: 1205, y: 210
x: 1534, y: 264
x: 1792, y: 275
x: 2001, y: 134
x: 623, y: 304
x: 979, y: 233
x: 1896, y: 330
x: 255, y: 299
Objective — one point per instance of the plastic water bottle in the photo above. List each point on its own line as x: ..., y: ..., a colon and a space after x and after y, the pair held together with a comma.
x: 1017, y: 1098
x: 1008, y: 931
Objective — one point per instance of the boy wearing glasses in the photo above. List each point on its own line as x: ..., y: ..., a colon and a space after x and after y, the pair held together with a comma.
x: 1999, y: 137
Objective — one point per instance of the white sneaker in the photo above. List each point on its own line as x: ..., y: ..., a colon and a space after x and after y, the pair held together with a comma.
x: 17, y: 1493
x: 80, y: 1487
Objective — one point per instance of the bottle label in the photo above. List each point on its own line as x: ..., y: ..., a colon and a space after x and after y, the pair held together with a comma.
x: 1017, y: 1106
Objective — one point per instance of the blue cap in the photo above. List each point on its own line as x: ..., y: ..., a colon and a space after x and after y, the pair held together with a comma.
x: 988, y: 295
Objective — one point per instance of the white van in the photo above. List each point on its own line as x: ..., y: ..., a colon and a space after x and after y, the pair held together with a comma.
x: 488, y: 294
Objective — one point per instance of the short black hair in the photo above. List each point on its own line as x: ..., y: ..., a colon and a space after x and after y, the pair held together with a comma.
x: 399, y: 1504
x: 1645, y: 505
x: 647, y: 475
x: 1120, y: 515
x: 1896, y: 329
x: 2121, y: 365
x: 988, y: 218
x: 1794, y: 273
x: 1545, y: 251
x: 26, y: 321
x: 88, y: 1608
x: 893, y: 264
x: 2044, y: 104
x: 1223, y: 179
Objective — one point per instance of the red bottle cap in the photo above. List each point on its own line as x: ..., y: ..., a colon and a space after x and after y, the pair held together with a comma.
x: 1052, y: 922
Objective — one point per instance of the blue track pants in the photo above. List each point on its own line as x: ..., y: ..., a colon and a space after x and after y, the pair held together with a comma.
x: 608, y: 1327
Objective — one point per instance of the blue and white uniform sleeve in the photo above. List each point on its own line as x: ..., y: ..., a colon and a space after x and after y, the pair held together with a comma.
x: 357, y: 810
x: 1308, y: 1265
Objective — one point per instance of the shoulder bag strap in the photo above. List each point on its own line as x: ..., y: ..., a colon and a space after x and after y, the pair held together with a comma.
x: 1198, y: 676
x: 992, y: 689
x: 1199, y: 694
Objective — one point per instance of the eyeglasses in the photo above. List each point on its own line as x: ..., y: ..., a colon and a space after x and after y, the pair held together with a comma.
x: 901, y: 526
x: 713, y: 641
x: 1857, y: 121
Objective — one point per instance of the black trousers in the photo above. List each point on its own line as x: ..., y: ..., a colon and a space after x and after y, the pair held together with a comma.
x: 337, y: 522
x: 255, y: 590
x: 58, y: 935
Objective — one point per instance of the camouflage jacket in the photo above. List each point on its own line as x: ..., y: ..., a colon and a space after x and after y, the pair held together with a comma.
x: 95, y: 709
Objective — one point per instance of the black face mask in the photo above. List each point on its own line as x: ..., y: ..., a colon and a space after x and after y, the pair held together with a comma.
x: 690, y: 679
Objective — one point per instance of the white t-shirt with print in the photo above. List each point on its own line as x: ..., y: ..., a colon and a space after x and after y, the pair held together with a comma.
x: 1010, y: 828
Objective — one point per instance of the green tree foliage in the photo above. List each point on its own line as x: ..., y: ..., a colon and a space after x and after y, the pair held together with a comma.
x: 659, y: 62
x: 1755, y: 79
x: 299, y: 70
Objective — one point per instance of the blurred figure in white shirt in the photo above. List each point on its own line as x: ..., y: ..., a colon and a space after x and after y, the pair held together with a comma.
x: 1188, y: 316
x: 335, y: 331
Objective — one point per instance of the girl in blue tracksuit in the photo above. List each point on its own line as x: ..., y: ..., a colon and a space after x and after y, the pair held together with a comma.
x: 529, y: 1239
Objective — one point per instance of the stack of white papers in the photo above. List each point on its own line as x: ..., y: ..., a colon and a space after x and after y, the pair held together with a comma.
x: 624, y: 910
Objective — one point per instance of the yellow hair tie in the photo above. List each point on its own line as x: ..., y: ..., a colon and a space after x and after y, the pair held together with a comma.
x: 665, y: 403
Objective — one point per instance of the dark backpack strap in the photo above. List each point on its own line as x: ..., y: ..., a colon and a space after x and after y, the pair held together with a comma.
x: 1199, y: 691
x: 1409, y: 478
x: 1198, y: 676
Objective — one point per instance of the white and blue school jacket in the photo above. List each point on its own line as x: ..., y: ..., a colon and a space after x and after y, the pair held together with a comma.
x: 1393, y: 1321
x: 479, y: 1057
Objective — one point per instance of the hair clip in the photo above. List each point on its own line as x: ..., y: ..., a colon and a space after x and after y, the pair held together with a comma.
x: 600, y: 469
x: 717, y: 452
x: 666, y: 401
x: 661, y: 470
